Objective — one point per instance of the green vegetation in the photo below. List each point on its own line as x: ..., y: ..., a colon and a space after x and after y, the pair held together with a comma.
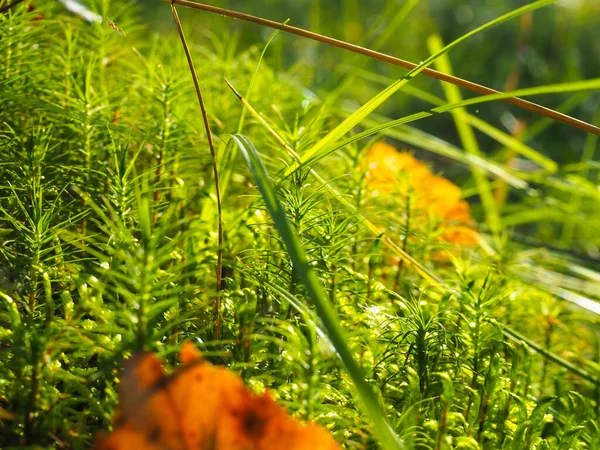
x: 352, y: 306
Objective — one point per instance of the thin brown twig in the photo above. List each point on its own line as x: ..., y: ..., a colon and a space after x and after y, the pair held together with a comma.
x: 213, y: 154
x: 475, y: 87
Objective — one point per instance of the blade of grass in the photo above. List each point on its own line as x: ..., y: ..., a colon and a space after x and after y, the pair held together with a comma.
x: 529, y: 106
x: 503, y: 138
x: 498, y: 135
x: 316, y: 292
x: 539, y: 90
x: 409, y: 260
x: 467, y: 137
x: 227, y: 165
x: 354, y: 119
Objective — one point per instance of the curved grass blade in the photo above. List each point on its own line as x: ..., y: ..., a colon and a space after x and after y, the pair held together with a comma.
x: 468, y: 138
x: 539, y: 90
x: 355, y: 118
x: 315, y: 291
x: 409, y: 260
x: 499, y: 136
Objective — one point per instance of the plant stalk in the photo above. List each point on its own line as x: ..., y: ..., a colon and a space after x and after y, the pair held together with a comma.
x: 213, y: 154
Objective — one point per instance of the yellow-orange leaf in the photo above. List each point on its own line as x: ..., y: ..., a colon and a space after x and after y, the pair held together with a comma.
x: 397, y: 173
x: 199, y: 407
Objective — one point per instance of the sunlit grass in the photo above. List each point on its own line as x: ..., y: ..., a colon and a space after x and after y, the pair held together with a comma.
x: 403, y: 288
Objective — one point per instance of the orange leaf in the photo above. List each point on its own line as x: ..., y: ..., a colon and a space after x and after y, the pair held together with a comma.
x: 398, y: 173
x: 200, y: 406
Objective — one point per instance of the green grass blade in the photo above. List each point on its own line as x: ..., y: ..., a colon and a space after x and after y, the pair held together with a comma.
x: 354, y: 119
x: 467, y: 137
x: 228, y: 155
x: 409, y: 260
x: 508, y: 141
x: 315, y: 291
x: 539, y: 90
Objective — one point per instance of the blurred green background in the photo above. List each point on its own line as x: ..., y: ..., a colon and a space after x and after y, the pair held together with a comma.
x: 556, y: 44
x: 559, y: 43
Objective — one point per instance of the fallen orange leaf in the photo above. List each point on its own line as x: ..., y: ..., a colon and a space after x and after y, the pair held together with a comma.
x: 398, y: 173
x: 202, y: 407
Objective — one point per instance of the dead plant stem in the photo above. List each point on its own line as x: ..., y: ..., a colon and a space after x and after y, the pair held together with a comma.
x: 213, y: 154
